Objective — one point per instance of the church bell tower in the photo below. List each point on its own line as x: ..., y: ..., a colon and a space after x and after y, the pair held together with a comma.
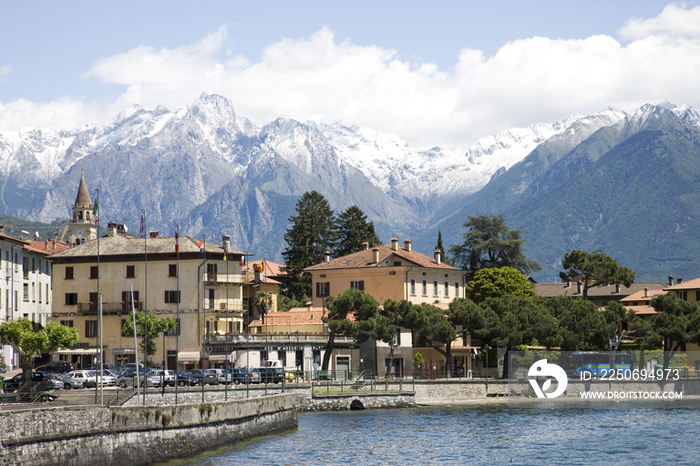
x: 82, y: 225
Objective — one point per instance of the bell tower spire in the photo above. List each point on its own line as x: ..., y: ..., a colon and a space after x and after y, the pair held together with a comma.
x: 82, y: 228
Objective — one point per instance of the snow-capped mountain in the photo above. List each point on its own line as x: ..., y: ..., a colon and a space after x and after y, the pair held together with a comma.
x: 211, y: 170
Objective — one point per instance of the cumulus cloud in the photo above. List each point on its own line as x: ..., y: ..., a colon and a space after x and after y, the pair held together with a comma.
x: 674, y: 20
x: 320, y: 78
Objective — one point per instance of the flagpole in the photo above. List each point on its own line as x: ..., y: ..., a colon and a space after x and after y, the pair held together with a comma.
x: 99, y: 302
x: 136, y: 343
x: 145, y: 311
x: 204, y: 310
x: 227, y: 327
x: 177, y: 321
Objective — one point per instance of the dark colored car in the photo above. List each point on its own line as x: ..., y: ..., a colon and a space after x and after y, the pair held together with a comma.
x: 56, y: 367
x: 184, y: 379
x: 269, y: 374
x: 42, y: 381
x: 203, y: 376
x: 239, y: 375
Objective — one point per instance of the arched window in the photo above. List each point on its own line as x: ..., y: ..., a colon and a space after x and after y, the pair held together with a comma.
x: 87, y: 215
x: 80, y: 215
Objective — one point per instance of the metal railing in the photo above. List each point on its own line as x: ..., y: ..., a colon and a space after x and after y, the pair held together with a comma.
x: 275, y: 338
x: 329, y: 387
x: 108, y: 308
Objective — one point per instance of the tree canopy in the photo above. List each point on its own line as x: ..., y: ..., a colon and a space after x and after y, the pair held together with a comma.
x: 22, y: 336
x: 492, y: 283
x: 582, y: 326
x: 594, y: 269
x: 156, y: 326
x: 490, y: 243
x: 311, y: 234
x: 352, y: 230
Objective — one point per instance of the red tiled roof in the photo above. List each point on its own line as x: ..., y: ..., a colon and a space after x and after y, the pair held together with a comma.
x: 639, y: 296
x: 365, y: 259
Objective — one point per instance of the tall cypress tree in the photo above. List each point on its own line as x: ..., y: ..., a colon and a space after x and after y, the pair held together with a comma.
x: 312, y: 232
x: 439, y: 247
x: 353, y: 230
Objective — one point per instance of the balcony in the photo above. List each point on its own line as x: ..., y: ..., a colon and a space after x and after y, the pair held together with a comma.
x: 219, y: 305
x: 240, y: 339
x: 121, y: 307
x: 222, y: 278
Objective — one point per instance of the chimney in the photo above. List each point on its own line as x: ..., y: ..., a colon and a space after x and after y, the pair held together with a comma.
x: 111, y: 229
x: 365, y: 246
x: 328, y: 256
x: 407, y: 245
x: 617, y: 287
x: 579, y: 288
x: 375, y: 255
x: 437, y: 256
x: 670, y: 280
x: 394, y: 244
x: 154, y: 234
x: 646, y: 292
x: 47, y: 246
x: 679, y: 280
x: 225, y: 242
x: 568, y: 283
x: 2, y: 229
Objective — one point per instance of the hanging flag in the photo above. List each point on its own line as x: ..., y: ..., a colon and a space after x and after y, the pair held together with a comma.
x: 244, y: 260
x: 177, y: 243
x: 225, y: 254
x: 141, y: 229
x: 96, y: 211
x: 200, y: 245
x: 260, y: 267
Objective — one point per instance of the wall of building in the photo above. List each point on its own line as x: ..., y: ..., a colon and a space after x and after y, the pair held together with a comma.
x: 88, y: 435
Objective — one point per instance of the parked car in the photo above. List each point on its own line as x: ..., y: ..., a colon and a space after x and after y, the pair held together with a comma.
x: 239, y: 375
x: 56, y: 367
x: 96, y: 367
x: 204, y: 376
x: 41, y: 380
x: 165, y: 376
x: 68, y: 382
x: 223, y: 375
x: 88, y: 378
x: 13, y: 383
x: 184, y: 379
x: 105, y: 378
x: 129, y: 379
x: 270, y: 374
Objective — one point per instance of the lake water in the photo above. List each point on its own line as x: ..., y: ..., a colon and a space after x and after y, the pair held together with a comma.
x: 620, y: 434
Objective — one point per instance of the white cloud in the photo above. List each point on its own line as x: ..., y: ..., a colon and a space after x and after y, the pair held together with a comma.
x: 4, y: 71
x: 530, y: 80
x: 674, y: 20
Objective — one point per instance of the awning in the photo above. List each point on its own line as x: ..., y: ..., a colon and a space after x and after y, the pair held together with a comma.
x: 188, y: 357
x: 123, y: 351
x: 77, y: 351
x: 219, y: 357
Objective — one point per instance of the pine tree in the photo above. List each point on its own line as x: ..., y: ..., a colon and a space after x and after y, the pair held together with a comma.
x: 312, y: 232
x: 353, y: 230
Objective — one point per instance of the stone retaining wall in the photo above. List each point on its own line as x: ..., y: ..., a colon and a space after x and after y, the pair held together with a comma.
x: 137, y: 435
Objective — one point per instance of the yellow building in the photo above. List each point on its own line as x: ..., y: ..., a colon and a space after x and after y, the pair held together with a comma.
x: 391, y: 271
x: 204, y: 290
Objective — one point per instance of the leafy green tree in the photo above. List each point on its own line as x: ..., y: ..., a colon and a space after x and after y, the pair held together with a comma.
x: 431, y: 326
x: 386, y: 322
x: 30, y: 343
x: 285, y: 303
x: 676, y: 323
x: 511, y: 321
x: 156, y: 326
x: 491, y: 283
x: 490, y: 243
x: 353, y: 230
x: 311, y: 234
x: 594, y: 269
x: 440, y: 248
x: 351, y: 303
x: 582, y: 326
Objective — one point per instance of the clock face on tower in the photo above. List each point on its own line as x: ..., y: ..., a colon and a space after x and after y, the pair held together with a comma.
x: 80, y: 233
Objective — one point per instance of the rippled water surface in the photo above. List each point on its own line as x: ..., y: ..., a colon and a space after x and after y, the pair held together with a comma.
x: 491, y: 434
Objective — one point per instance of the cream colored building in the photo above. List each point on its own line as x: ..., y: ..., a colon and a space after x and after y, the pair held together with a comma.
x: 210, y: 294
x: 392, y: 271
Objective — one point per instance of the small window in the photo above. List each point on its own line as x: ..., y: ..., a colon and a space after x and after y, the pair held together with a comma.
x: 447, y: 289
x: 71, y: 299
x: 93, y: 298
x: 67, y: 323
x: 425, y: 288
x: 397, y: 263
x: 173, y: 297
x: 456, y: 289
x: 172, y: 270
x: 26, y: 292
x: 435, y: 288
x: 130, y: 271
x: 323, y: 289
x: 126, y: 296
x: 94, y: 272
x: 697, y: 296
x: 413, y: 287
x: 359, y: 285
x: 69, y: 273
x: 176, y: 330
x: 90, y: 329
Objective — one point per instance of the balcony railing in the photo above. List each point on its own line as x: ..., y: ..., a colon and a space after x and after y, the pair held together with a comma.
x: 234, y: 305
x: 236, y: 278
x: 108, y: 308
x: 300, y: 338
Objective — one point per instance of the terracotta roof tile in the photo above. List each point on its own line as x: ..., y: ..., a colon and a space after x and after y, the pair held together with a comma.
x: 365, y: 259
x: 83, y: 197
x: 689, y: 285
x: 639, y: 296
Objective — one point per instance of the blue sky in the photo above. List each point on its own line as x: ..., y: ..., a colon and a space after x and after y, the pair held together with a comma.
x: 436, y: 73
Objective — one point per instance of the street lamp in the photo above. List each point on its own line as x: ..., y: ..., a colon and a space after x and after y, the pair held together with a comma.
x: 486, y: 371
